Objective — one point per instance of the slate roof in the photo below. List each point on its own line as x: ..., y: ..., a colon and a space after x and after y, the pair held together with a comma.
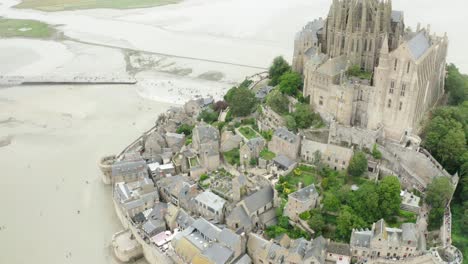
x: 285, y: 134
x: 218, y: 254
x: 207, y: 133
x: 304, y: 194
x: 409, y: 232
x: 229, y: 238
x: 318, y: 245
x: 258, y: 199
x: 212, y: 200
x: 333, y: 67
x: 129, y: 167
x: 283, y: 161
x: 206, y: 228
x: 361, y: 238
x: 244, y: 260
x: 418, y: 45
x: 183, y: 219
x: 239, y: 214
x: 339, y: 249
x: 397, y: 16
x: 152, y: 226
x: 255, y: 142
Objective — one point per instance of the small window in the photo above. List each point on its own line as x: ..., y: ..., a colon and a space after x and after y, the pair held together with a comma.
x: 401, y: 106
x: 396, y: 65
x: 409, y: 66
x: 403, y: 89
x: 389, y: 103
x: 321, y: 100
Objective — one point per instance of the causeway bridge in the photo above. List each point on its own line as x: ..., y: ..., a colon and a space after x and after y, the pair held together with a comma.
x: 6, y: 80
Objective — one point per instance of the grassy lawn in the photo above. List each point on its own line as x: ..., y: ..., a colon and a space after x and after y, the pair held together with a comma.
x: 232, y: 157
x: 61, y: 5
x: 267, y: 155
x: 194, y: 162
x: 289, y: 183
x: 403, y: 217
x: 459, y: 236
x: 248, y: 132
x: 10, y: 28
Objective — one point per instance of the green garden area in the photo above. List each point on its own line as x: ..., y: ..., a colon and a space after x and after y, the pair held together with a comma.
x: 248, y: 132
x: 289, y: 183
x: 232, y: 157
x: 267, y: 155
x: 11, y: 28
x: 62, y: 5
x: 343, y: 208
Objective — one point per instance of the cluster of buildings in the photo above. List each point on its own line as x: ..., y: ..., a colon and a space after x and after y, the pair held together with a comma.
x: 183, y: 203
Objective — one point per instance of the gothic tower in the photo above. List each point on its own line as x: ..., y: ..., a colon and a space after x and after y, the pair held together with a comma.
x: 356, y: 28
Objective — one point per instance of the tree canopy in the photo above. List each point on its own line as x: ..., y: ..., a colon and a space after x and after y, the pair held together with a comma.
x: 241, y: 101
x: 304, y: 116
x: 290, y: 83
x: 456, y: 84
x: 439, y: 192
x: 358, y: 164
x: 346, y: 221
x: 389, y: 196
x: 278, y: 102
x: 279, y: 67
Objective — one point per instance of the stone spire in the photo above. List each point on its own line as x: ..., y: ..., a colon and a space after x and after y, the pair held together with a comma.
x: 384, y: 52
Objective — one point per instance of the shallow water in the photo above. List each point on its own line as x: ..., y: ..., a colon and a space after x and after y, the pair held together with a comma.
x: 55, y: 208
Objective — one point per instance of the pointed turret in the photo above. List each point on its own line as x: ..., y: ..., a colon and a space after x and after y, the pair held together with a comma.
x: 384, y: 52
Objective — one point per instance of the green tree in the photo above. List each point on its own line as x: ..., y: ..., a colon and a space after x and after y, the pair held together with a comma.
x: 208, y: 115
x: 316, y: 222
x: 185, y: 129
x: 376, y: 153
x: 290, y: 122
x: 346, y: 221
x: 465, y: 220
x: 389, y: 196
x: 290, y: 83
x: 303, y: 116
x: 365, y: 202
x: 439, y: 192
x: 331, y: 203
x: 456, y: 85
x: 436, y: 216
x: 279, y: 67
x: 358, y: 164
x: 278, y: 102
x: 241, y: 101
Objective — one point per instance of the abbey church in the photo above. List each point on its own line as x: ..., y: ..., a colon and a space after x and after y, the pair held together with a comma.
x: 400, y: 72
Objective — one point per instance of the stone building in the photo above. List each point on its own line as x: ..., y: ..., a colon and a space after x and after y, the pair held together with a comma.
x: 253, y: 212
x: 300, y: 201
x: 406, y: 69
x: 294, y: 251
x: 129, y: 170
x: 382, y: 241
x: 206, y: 141
x: 285, y: 142
x: 178, y: 190
x: 136, y: 197
x: 203, y: 242
x: 338, y: 253
x: 336, y: 157
x: 210, y: 206
x: 251, y: 150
